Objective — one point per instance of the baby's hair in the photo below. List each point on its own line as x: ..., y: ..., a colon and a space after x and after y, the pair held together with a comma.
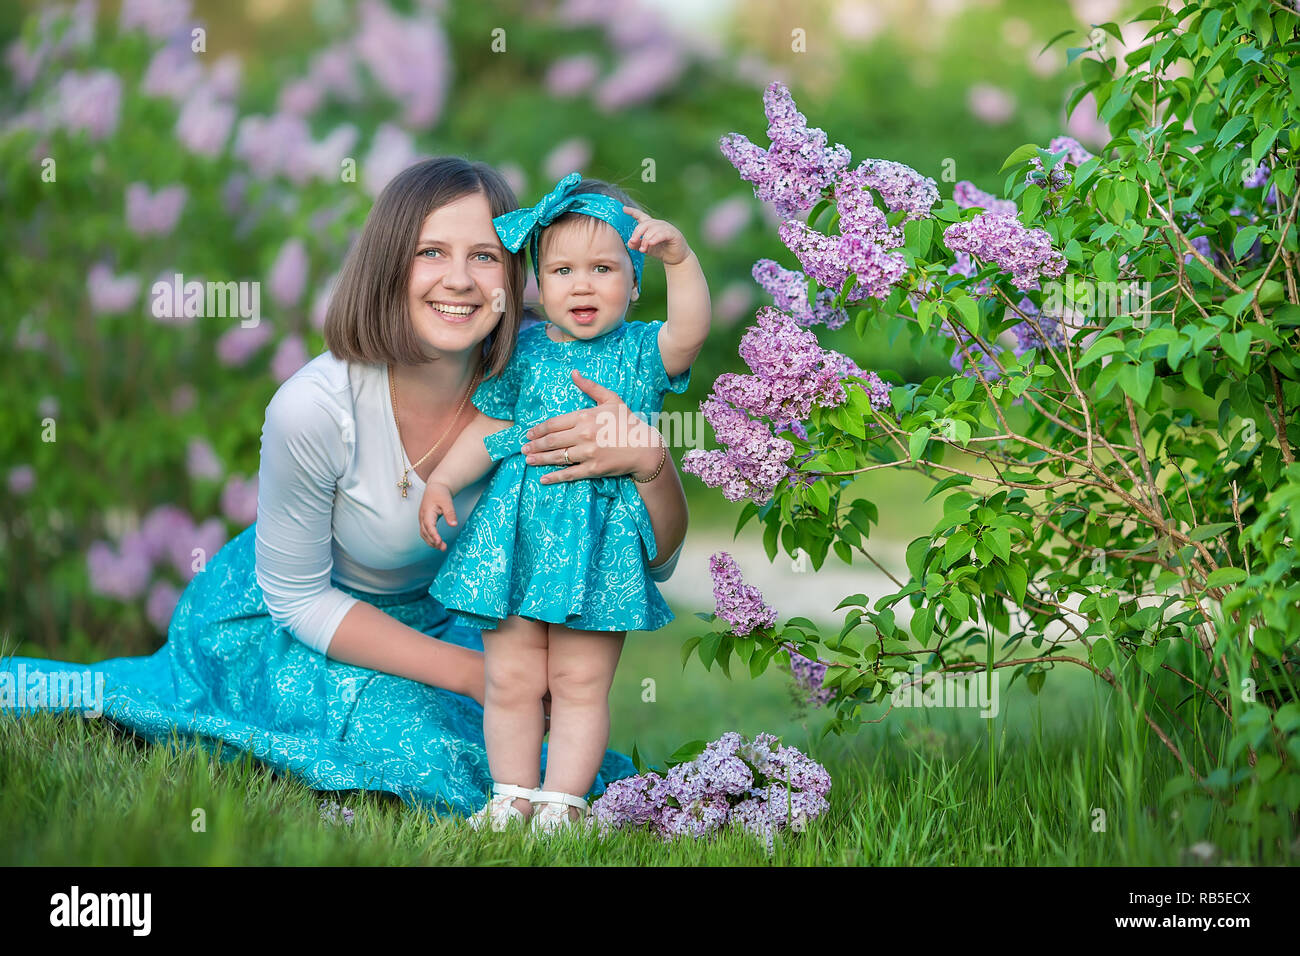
x: 588, y: 186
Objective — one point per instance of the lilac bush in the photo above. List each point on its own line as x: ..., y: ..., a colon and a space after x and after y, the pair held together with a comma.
x: 1115, y: 449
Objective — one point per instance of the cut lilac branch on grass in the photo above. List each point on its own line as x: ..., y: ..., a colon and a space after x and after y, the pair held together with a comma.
x: 758, y: 785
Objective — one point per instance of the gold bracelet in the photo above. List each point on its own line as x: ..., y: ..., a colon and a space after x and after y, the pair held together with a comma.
x: 662, y: 458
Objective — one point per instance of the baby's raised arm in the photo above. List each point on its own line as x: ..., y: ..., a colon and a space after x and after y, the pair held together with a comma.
x: 465, y: 463
x: 689, y: 310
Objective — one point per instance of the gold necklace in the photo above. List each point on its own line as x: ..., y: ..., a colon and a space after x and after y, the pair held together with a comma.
x: 405, y: 482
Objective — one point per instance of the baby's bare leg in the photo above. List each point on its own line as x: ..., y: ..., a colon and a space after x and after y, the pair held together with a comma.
x: 580, y: 668
x: 514, y: 666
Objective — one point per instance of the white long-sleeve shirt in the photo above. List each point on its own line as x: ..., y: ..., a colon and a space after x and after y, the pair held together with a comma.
x: 328, y: 507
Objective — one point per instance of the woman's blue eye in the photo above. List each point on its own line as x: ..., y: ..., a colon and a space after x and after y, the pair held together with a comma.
x: 488, y: 256
x: 423, y: 251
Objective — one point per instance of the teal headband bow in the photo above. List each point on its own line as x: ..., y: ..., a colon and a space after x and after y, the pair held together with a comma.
x: 526, y: 225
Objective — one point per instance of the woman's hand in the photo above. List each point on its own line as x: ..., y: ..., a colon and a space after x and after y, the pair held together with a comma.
x: 601, y: 441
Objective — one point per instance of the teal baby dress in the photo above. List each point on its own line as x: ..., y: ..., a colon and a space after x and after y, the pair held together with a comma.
x: 573, y: 552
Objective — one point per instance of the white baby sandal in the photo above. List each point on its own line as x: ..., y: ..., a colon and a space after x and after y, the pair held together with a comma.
x: 500, y: 811
x: 554, y: 814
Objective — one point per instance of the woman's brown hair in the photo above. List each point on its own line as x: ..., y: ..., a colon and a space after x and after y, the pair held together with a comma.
x: 368, y: 319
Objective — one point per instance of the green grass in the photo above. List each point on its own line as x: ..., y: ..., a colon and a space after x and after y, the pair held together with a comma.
x: 911, y: 789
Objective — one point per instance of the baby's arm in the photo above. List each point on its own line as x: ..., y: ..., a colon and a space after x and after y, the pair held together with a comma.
x: 465, y: 463
x: 689, y: 310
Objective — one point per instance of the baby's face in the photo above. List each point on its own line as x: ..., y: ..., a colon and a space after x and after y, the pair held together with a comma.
x: 586, y: 277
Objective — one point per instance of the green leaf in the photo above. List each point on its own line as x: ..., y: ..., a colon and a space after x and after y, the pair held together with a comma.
x: 1136, y: 381
x: 1103, y: 346
x: 969, y: 313
x: 916, y: 444
x: 1021, y: 154
x: 1225, y: 576
x: 1231, y: 129
x: 688, y: 648
x: 925, y: 315
x: 1237, y: 345
x: 687, y: 752
x: 1244, y: 240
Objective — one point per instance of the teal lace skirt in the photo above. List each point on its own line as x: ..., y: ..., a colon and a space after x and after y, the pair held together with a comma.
x: 228, y: 674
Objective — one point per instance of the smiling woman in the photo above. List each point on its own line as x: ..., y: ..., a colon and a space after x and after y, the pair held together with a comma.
x: 310, y: 640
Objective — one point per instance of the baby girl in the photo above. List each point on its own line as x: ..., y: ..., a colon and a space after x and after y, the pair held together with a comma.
x: 554, y: 573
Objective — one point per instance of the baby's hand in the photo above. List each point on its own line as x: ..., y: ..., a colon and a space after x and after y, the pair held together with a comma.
x: 657, y: 238
x: 435, y: 503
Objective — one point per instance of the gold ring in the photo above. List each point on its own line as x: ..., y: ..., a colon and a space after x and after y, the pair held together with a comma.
x: 566, y: 457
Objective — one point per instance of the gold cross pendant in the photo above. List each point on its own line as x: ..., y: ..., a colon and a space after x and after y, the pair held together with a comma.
x: 404, y: 484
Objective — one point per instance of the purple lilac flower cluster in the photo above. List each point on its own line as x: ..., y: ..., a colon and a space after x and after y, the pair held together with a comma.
x: 792, y: 372
x: 900, y: 186
x: 792, y: 173
x: 739, y: 604
x: 832, y: 259
x: 758, y: 785
x: 1025, y: 253
x: 808, y: 675
x: 789, y: 290
x: 967, y: 196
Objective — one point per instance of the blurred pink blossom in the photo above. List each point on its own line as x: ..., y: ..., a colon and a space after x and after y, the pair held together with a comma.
x: 226, y: 76
x: 391, y: 151
x: 109, y: 293
x: 204, y: 123
x: 725, y: 219
x: 90, y: 102
x: 514, y: 177
x: 990, y: 104
x: 160, y: 604
x: 572, y: 74
x: 288, y: 277
x: 158, y: 18
x: 239, y: 344
x: 269, y: 145
x: 154, y: 214
x: 174, y: 72
x: 22, y: 479
x: 160, y: 527
x: 239, y: 500
x: 122, y: 575
x: 324, y: 159
x: 735, y: 300
x: 334, y: 71
x: 201, y: 461
x: 568, y: 156
x: 206, y: 539
x: 290, y: 356
x: 640, y: 76
x: 408, y: 58
x: 300, y: 97
x: 1084, y: 125
x: 48, y: 406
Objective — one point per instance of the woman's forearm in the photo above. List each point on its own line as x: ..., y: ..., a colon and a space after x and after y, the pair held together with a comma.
x: 370, y: 638
x: 665, y: 500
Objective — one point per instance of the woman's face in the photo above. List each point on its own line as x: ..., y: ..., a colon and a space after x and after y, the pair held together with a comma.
x: 458, y: 279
